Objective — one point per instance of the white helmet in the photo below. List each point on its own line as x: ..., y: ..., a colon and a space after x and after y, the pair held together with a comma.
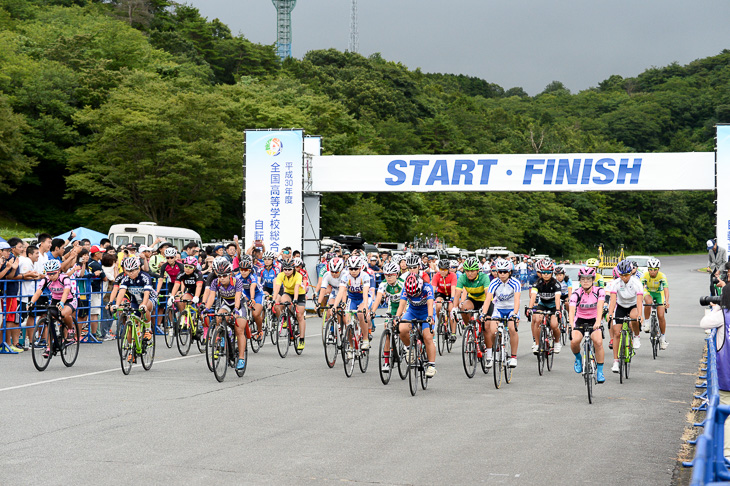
x: 221, y: 266
x: 269, y: 255
x: 298, y: 262
x: 653, y: 263
x: 391, y: 268
x: 354, y: 262
x: 502, y: 264
x: 52, y: 266
x: 170, y: 252
x: 413, y: 260
x: 130, y: 264
x: 336, y: 265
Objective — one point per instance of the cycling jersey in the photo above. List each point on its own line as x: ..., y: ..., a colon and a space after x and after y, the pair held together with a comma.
x: 190, y: 282
x: 656, y: 284
x: 267, y: 277
x: 247, y: 282
x: 586, y: 303
x: 474, y: 288
x: 172, y: 271
x: 546, y: 291
x: 136, y: 287
x: 417, y: 306
x: 503, y: 293
x: 355, y: 285
x: 329, y: 280
x: 444, y: 285
x: 227, y: 293
x: 626, y: 293
x: 565, y: 285
x: 289, y: 283
x: 57, y: 287
x: 600, y: 282
x: 391, y: 294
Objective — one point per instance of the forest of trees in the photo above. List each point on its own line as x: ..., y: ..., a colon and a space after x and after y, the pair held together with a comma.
x: 132, y: 110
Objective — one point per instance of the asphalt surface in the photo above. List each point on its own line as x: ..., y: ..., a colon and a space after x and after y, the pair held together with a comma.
x: 294, y: 420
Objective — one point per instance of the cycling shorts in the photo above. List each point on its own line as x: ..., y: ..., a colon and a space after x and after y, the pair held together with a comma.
x: 411, y: 316
x: 355, y: 302
x: 623, y: 311
x: 268, y: 290
x: 70, y: 302
x: 545, y: 308
x: 657, y: 296
x: 440, y: 295
x: 301, y: 300
x: 583, y: 325
x: 503, y: 313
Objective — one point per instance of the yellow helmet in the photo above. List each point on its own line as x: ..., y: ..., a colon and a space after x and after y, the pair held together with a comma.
x: 592, y: 262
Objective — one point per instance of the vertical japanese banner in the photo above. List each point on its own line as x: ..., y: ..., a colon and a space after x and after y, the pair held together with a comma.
x: 723, y: 179
x: 273, y: 188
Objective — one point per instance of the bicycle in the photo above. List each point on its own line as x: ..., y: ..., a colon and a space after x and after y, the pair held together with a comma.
x: 257, y: 342
x: 626, y: 347
x: 334, y: 330
x: 187, y: 328
x: 48, y: 340
x: 501, y: 351
x: 224, y: 347
x: 269, y: 325
x: 565, y: 328
x: 352, y: 345
x: 417, y: 354
x: 546, y: 342
x: 443, y: 330
x: 132, y: 324
x: 472, y: 346
x: 589, y: 361
x: 396, y: 351
x: 654, y: 331
x: 288, y: 330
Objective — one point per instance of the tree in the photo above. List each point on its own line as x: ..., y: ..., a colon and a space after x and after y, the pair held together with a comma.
x: 14, y: 163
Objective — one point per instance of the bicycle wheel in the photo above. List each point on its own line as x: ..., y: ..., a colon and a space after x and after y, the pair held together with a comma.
x: 70, y: 350
x: 385, y: 363
x: 124, y: 356
x: 330, y: 343
x: 622, y: 356
x: 184, y: 334
x: 563, y: 327
x: 364, y: 359
x: 325, y: 322
x: 506, y: 353
x: 423, y: 360
x: 348, y: 350
x: 541, y: 351
x: 587, y: 371
x: 449, y: 336
x: 441, y: 338
x: 148, y: 351
x: 498, y: 361
x: 297, y: 337
x: 282, y: 338
x: 169, y: 327
x: 208, y: 346
x: 412, y: 367
x: 469, y: 352
x: 240, y: 372
x: 219, y: 355
x: 271, y: 327
x: 654, y: 336
x: 483, y: 359
x: 550, y: 350
x: 39, y: 344
x: 402, y: 364
x: 255, y: 343
x: 629, y: 355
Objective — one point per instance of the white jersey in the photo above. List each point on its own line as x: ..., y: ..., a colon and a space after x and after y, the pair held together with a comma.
x: 503, y: 293
x: 626, y: 292
x: 328, y: 279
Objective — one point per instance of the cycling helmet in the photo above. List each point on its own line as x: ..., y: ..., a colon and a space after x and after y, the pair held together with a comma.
x: 453, y: 264
x: 391, y: 268
x: 559, y: 270
x: 615, y: 272
x: 413, y: 285
x: 413, y: 261
x: 592, y: 262
x: 170, y: 252
x: 653, y: 263
x: 634, y: 264
x: 545, y: 265
x: 624, y: 267
x: 130, y: 264
x: 336, y: 265
x: 298, y: 262
x: 221, y: 266
x: 287, y: 264
x: 396, y: 259
x: 246, y: 262
x: 471, y: 264
x: 192, y: 261
x: 52, y: 266
x: 444, y: 264
x: 353, y: 263
x: 329, y: 256
x: 587, y: 272
x: 502, y: 264
x: 269, y: 255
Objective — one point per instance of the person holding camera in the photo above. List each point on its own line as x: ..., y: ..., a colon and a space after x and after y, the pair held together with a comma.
x: 718, y: 257
x: 718, y: 318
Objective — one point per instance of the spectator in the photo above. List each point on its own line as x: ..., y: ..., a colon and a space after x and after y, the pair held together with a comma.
x: 718, y: 257
x: 105, y: 243
x: 220, y: 250
x: 86, y: 244
x: 97, y: 275
x: 9, y: 263
x: 232, y: 255
x: 110, y: 273
x: 286, y: 254
x: 81, y: 274
x: 44, y: 246
x: 29, y: 273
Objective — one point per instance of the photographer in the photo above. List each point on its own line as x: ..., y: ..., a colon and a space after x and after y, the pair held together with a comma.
x: 720, y: 318
x: 717, y: 259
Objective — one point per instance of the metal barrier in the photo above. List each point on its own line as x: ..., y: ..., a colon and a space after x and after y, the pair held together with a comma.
x: 84, y: 311
x: 709, y: 463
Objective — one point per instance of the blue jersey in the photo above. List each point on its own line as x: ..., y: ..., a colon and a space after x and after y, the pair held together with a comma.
x: 503, y: 293
x: 267, y: 277
x: 137, y: 287
x: 418, y: 306
x: 564, y: 286
x: 247, y: 282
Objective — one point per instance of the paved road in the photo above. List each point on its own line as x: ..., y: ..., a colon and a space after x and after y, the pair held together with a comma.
x: 294, y: 421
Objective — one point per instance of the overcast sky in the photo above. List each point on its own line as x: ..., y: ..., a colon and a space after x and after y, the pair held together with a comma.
x: 526, y: 43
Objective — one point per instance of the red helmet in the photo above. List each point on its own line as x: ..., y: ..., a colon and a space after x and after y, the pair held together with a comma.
x: 413, y: 285
x: 545, y: 265
x: 335, y: 265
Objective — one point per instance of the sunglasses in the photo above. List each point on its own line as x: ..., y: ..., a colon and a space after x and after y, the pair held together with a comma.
x: 353, y: 269
x: 626, y: 274
x: 288, y: 269
x: 192, y: 267
x: 547, y: 273
x: 170, y: 258
x: 222, y: 275
x: 51, y: 274
x: 502, y: 271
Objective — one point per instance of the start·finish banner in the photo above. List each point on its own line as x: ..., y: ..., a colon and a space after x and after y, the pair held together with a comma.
x: 541, y: 172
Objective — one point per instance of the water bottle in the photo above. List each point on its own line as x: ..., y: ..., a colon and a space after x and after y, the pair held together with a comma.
x: 58, y: 332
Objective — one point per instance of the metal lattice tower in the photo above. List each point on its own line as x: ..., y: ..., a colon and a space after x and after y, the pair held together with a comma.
x: 283, y: 27
x: 354, y: 35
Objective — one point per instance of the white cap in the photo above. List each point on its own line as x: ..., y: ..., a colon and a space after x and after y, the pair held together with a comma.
x: 144, y: 248
x: 710, y: 244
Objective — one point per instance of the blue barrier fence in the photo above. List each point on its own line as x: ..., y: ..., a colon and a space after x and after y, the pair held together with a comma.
x: 91, y: 309
x: 709, y: 465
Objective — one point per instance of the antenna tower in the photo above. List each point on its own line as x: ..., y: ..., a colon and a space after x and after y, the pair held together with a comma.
x: 283, y: 27
x: 354, y: 35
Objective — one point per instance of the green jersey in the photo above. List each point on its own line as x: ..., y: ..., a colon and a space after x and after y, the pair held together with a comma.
x: 391, y: 294
x: 474, y: 288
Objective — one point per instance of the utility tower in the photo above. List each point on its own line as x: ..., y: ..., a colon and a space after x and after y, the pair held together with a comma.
x: 354, y: 36
x: 283, y: 27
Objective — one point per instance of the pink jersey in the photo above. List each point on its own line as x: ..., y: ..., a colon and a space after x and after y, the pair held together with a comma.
x: 57, y: 287
x: 587, y: 302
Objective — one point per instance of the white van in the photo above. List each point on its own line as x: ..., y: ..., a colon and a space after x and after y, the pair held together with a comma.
x: 145, y: 233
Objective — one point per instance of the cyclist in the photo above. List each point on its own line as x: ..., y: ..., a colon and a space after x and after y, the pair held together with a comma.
x: 627, y: 297
x: 331, y: 281
x: 226, y: 292
x: 356, y: 285
x: 593, y: 263
x: 548, y: 289
x: 413, y: 265
x: 190, y: 282
x: 470, y: 293
x: 62, y: 297
x: 566, y: 284
x: 419, y: 298
x: 288, y: 288
x: 171, y: 268
x: 390, y: 290
x: 505, y: 292
x: 656, y: 289
x: 444, y: 284
x: 585, y: 304
x: 267, y: 276
x: 137, y: 287
x: 253, y: 292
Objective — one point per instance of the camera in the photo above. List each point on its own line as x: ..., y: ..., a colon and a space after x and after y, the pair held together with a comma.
x: 715, y: 280
x: 707, y: 300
